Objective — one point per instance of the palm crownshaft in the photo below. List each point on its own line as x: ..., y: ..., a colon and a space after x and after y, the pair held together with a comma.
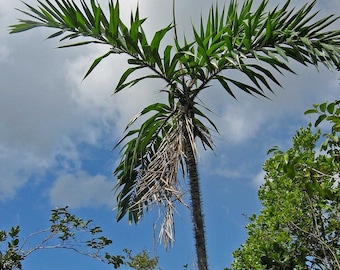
x: 251, y: 41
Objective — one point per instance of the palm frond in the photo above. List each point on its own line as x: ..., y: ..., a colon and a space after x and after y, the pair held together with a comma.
x: 148, y: 172
x: 159, y: 184
x: 152, y: 159
x: 89, y: 21
x: 237, y: 38
x: 137, y: 153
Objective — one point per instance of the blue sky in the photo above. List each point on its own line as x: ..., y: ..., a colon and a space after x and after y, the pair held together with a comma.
x: 57, y: 132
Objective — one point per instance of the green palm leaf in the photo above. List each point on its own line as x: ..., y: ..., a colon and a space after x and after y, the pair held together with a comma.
x: 235, y: 40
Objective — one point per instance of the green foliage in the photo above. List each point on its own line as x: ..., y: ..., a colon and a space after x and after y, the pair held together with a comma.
x: 68, y: 232
x: 328, y: 112
x: 228, y: 40
x: 298, y: 227
x: 12, y: 258
x: 141, y: 261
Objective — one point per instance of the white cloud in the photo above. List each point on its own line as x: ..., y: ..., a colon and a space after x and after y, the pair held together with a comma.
x: 240, y: 122
x: 94, y: 94
x: 258, y: 180
x: 17, y: 167
x: 82, y: 190
x: 42, y: 121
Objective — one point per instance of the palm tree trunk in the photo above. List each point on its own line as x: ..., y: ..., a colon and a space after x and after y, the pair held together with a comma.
x: 196, y: 205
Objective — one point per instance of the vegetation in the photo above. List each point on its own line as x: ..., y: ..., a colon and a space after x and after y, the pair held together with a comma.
x: 298, y: 227
x: 141, y: 261
x: 68, y: 232
x: 247, y: 39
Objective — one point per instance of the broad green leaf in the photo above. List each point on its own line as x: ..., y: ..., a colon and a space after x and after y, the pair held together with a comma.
x: 320, y: 119
x: 311, y: 111
x: 323, y: 107
x: 330, y: 108
x: 159, y: 35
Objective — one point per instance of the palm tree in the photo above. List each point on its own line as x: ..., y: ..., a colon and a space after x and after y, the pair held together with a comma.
x: 162, y: 152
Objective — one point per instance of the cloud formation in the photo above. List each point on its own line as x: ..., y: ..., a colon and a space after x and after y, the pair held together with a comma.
x: 82, y: 190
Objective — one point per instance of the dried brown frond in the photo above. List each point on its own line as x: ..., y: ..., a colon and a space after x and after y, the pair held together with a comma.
x: 159, y: 184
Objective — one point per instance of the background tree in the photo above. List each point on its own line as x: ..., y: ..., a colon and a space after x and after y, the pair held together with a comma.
x: 231, y: 38
x: 141, y: 261
x: 299, y: 224
x: 70, y: 232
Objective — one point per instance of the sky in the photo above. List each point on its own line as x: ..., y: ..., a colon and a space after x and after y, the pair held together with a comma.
x: 57, y: 133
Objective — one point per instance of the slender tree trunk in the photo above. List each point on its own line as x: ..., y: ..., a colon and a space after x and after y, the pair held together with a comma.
x: 196, y: 205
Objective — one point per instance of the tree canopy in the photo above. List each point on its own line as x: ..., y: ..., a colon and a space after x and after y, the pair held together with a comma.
x: 299, y: 224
